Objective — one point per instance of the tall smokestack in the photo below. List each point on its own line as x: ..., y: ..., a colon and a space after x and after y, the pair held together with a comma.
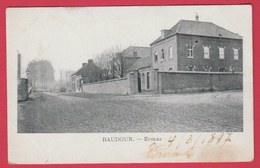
x: 19, y: 65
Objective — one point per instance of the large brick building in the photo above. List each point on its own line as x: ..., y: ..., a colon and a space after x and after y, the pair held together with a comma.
x: 197, y: 46
x: 190, y: 46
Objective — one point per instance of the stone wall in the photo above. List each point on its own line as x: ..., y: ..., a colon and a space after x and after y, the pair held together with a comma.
x: 186, y: 82
x: 115, y: 86
x: 22, y: 89
x: 171, y: 82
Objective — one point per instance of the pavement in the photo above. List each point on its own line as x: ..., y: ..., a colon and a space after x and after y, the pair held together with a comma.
x: 47, y: 112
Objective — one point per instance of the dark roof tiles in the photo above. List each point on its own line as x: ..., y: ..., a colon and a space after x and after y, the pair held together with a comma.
x: 199, y: 28
x: 141, y: 63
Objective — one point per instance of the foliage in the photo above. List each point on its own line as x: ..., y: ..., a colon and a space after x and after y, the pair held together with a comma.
x: 41, y: 74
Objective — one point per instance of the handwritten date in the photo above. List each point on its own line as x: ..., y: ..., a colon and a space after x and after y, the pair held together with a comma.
x: 184, y: 145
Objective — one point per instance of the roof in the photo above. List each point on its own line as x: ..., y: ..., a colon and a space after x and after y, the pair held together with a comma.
x: 85, y: 69
x: 139, y: 50
x: 136, y: 47
x: 199, y: 28
x: 141, y: 63
x: 79, y: 71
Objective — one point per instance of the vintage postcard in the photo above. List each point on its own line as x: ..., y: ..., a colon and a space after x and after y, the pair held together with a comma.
x: 135, y: 84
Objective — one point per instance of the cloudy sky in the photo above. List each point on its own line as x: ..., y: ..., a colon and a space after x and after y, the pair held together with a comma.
x: 69, y: 36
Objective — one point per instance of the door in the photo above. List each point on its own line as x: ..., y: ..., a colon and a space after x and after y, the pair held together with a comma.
x: 139, y: 83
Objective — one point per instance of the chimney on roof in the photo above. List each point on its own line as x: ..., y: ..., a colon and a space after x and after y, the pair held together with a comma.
x: 90, y: 61
x: 83, y: 64
x: 197, y: 17
x: 163, y: 33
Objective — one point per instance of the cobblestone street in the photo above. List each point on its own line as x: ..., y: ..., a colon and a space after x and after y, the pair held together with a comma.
x: 87, y: 113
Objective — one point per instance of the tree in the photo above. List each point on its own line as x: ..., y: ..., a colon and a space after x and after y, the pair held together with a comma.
x: 103, y: 61
x: 121, y: 61
x: 115, y: 62
x: 41, y: 73
x: 108, y: 63
x: 119, y: 64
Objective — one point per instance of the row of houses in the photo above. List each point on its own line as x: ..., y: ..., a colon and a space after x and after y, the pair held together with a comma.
x: 188, y: 49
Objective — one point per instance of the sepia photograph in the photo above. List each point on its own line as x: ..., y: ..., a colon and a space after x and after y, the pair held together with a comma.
x: 131, y: 70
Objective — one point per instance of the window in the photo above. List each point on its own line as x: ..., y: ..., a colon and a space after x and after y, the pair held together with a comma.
x: 236, y: 55
x: 221, y: 53
x: 190, y: 51
x: 170, y: 52
x: 222, y: 69
x: 207, y: 68
x: 148, y: 80
x: 163, y: 55
x: 155, y: 56
x: 206, y: 52
x: 231, y: 69
x: 191, y: 68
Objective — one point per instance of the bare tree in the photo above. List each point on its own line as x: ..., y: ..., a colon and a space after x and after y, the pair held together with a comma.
x: 121, y: 60
x: 108, y: 63
x: 103, y: 61
x: 114, y: 62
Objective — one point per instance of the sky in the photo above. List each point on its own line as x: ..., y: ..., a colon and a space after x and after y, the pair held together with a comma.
x: 69, y: 36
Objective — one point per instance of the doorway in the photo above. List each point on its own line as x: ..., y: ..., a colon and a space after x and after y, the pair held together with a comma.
x: 139, y: 83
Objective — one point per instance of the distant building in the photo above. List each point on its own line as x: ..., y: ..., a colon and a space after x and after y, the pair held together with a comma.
x: 137, y: 51
x: 128, y: 57
x: 88, y: 73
